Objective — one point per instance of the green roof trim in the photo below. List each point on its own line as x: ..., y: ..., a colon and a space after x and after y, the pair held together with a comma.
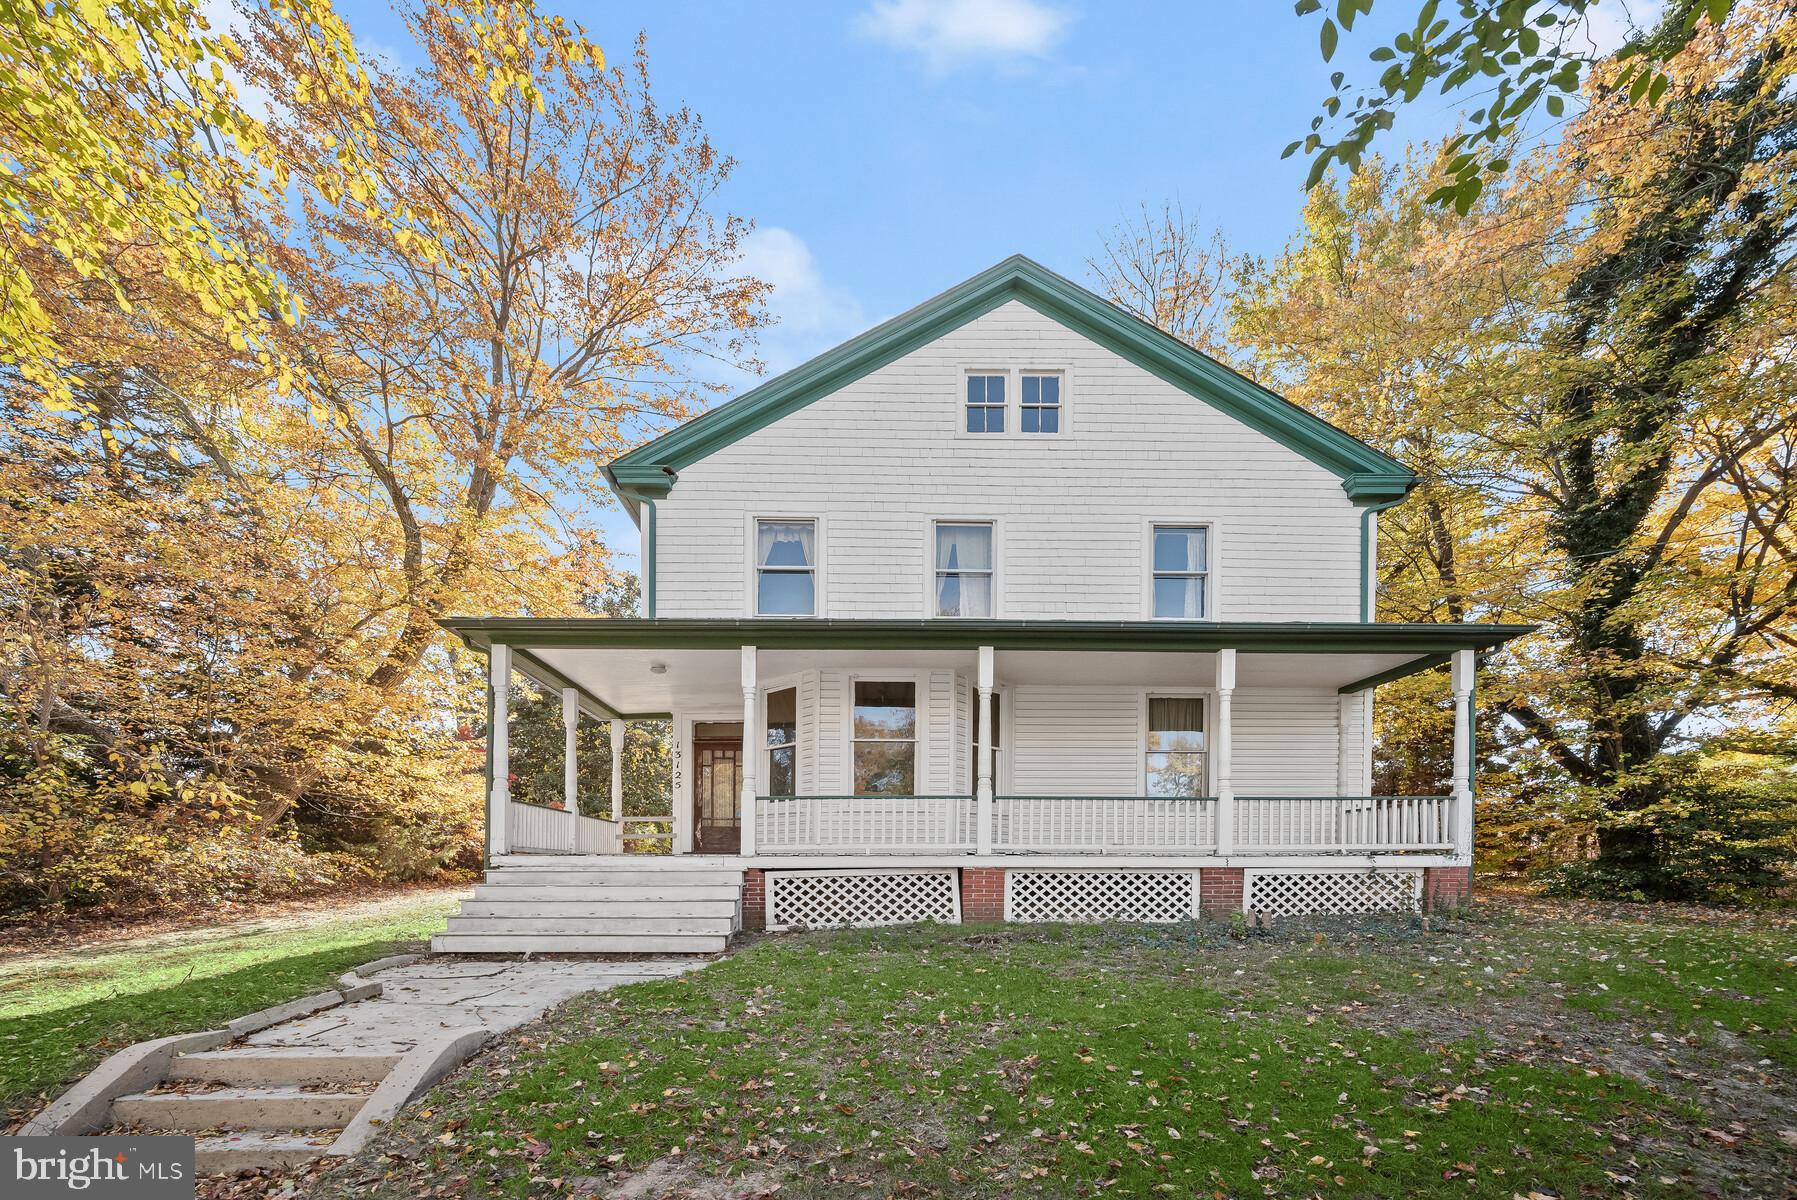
x: 1265, y: 637
x: 1367, y: 475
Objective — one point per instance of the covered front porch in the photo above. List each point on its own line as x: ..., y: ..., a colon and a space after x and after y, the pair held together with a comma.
x: 811, y: 744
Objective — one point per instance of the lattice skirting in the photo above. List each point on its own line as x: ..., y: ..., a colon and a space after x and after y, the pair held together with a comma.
x: 1149, y: 896
x: 814, y: 899
x: 1294, y: 893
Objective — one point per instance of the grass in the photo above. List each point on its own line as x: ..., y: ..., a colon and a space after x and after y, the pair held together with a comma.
x: 1566, y: 1052
x: 63, y: 1011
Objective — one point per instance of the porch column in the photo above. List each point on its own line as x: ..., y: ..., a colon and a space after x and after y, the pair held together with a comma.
x: 1225, y: 786
x: 982, y: 786
x: 1460, y: 784
x: 571, y: 765
x: 751, y: 752
x: 617, y: 770
x: 499, y: 751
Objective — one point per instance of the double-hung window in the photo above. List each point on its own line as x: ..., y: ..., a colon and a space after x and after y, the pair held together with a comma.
x: 1174, y: 754
x: 964, y: 570
x: 1041, y: 404
x: 885, y: 737
x: 783, y: 742
x: 985, y: 404
x: 1181, y: 571
x: 785, y: 568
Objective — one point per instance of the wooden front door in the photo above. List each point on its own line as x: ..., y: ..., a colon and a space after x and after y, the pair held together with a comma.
x: 717, y: 796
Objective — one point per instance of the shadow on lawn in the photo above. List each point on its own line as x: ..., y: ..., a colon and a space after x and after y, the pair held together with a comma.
x: 43, y: 1052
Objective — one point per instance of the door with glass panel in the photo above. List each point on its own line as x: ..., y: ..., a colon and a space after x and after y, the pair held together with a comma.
x: 717, y: 787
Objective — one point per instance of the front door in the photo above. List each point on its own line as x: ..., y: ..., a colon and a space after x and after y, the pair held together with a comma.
x: 717, y: 795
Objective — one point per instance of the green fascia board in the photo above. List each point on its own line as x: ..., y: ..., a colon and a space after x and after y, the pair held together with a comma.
x: 1283, y: 637
x: 1367, y: 475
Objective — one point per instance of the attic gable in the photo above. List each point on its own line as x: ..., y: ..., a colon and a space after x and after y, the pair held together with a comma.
x: 1368, y: 476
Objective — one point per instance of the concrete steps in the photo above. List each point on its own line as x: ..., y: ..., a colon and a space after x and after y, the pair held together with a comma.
x: 594, y: 943
x: 272, y: 1107
x: 256, y: 1150
x: 639, y: 905
x: 249, y: 1067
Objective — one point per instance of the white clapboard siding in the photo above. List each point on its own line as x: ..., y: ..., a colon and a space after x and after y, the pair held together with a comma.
x: 808, y: 731
x: 1075, y: 741
x: 877, y: 460
x: 1285, y: 742
x: 937, y: 774
x: 963, y: 743
x: 832, y: 723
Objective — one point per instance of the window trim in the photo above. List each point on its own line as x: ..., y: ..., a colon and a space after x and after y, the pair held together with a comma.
x: 930, y: 571
x: 1212, y: 574
x: 764, y: 765
x: 961, y: 404
x: 752, y: 599
x: 1060, y: 405
x: 919, y: 741
x: 1209, y: 696
x: 1013, y: 374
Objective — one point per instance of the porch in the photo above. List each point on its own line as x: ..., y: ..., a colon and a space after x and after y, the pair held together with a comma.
x: 879, y: 740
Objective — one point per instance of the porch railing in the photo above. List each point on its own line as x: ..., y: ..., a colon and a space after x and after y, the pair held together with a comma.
x: 1343, y: 823
x: 864, y: 824
x: 535, y: 829
x: 1145, y: 824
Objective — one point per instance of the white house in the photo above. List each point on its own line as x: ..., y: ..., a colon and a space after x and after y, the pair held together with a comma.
x: 1012, y: 608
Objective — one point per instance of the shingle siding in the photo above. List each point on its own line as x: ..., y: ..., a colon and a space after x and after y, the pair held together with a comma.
x: 876, y: 461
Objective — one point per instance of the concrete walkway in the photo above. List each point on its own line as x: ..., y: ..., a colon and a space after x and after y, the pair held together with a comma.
x: 322, y: 1074
x: 423, y: 1000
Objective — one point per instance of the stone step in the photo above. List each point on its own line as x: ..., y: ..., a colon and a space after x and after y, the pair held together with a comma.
x: 546, y: 877
x: 604, y: 923
x: 284, y: 1107
x: 250, y: 1067
x: 508, y: 907
x: 601, y: 892
x: 574, y: 943
x: 258, y: 1150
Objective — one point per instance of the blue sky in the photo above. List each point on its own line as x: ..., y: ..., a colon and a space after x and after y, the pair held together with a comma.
x: 888, y: 149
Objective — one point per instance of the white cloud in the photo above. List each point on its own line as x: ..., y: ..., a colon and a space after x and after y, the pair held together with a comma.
x: 951, y: 32
x: 810, y: 314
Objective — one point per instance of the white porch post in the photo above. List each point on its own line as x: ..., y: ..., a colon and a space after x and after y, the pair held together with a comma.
x: 1347, y: 762
x: 751, y: 751
x: 982, y: 787
x: 571, y: 765
x: 617, y: 770
x: 499, y: 792
x: 1461, y: 783
x: 1225, y: 786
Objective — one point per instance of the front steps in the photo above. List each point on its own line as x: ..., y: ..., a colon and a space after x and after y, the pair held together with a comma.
x: 570, y: 904
x: 255, y: 1108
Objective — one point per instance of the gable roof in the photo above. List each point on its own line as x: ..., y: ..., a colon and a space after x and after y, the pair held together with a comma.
x: 1367, y: 475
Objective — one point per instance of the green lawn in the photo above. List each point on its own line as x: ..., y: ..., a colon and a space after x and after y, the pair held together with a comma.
x: 1529, y: 1049
x: 62, y: 1012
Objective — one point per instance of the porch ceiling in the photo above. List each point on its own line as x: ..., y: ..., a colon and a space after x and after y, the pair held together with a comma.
x: 615, y: 660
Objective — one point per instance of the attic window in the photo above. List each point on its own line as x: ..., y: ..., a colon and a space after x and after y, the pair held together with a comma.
x: 985, y: 404
x: 1041, y: 411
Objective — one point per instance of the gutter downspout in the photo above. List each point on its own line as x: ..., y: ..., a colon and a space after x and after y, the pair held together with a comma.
x: 648, y: 559
x: 1366, y: 557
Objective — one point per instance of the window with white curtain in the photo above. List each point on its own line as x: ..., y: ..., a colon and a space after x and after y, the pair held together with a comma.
x: 1181, y: 570
x: 1174, y: 754
x: 964, y: 570
x: 783, y: 742
x: 785, y: 568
